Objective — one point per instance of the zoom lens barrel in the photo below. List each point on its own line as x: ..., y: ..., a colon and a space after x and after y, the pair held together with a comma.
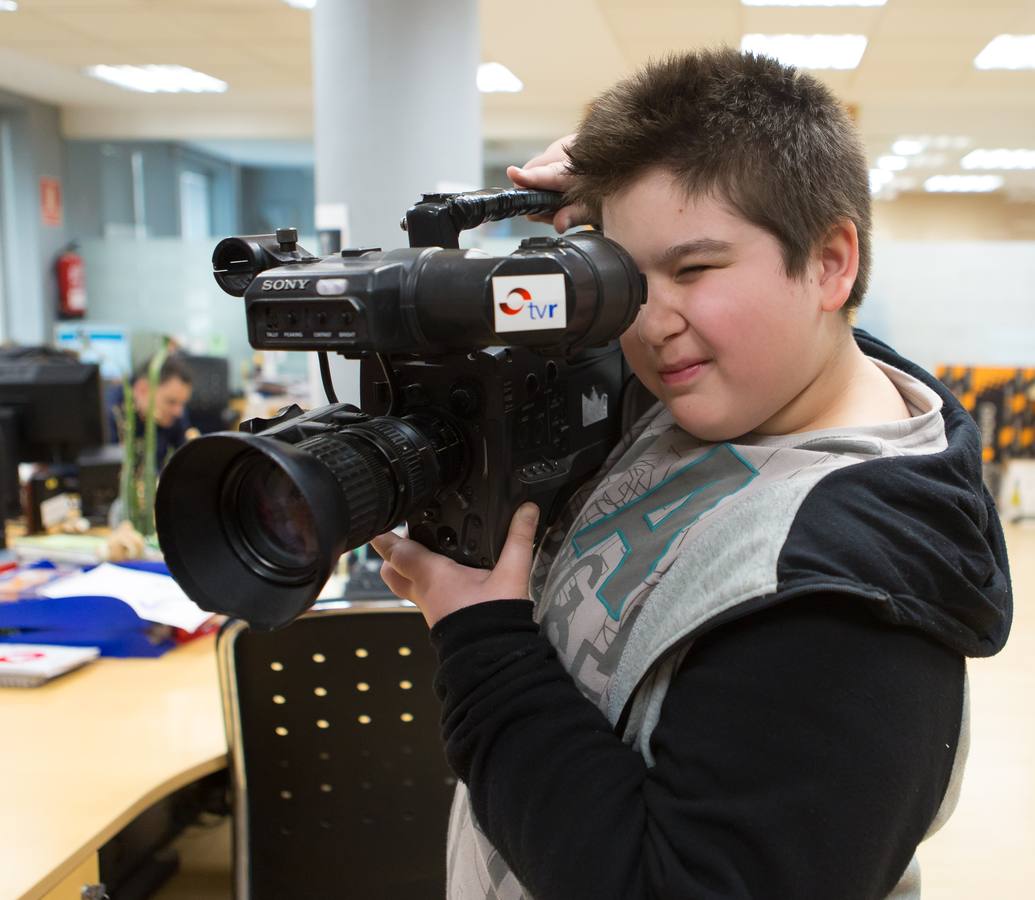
x: 252, y: 526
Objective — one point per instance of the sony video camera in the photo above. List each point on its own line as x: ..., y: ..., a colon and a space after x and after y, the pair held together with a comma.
x: 485, y: 381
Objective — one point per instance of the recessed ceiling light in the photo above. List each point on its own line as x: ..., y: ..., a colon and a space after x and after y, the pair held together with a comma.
x: 999, y: 159
x: 813, y: 2
x: 963, y: 183
x: 8, y: 6
x: 908, y: 147
x: 158, y: 79
x: 1007, y: 51
x: 892, y: 163
x: 809, y: 51
x: 494, y: 77
x: 301, y: 4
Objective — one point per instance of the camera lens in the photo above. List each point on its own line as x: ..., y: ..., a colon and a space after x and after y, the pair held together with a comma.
x: 274, y: 524
x: 252, y: 526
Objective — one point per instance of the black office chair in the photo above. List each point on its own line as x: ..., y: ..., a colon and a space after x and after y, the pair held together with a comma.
x: 340, y: 783
x: 209, y: 406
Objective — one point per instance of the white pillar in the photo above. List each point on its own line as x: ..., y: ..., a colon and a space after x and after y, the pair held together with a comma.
x: 396, y: 114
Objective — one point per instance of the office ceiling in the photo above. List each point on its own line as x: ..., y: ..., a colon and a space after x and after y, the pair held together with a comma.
x: 916, y: 78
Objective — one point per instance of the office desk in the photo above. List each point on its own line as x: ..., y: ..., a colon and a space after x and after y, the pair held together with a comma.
x: 82, y: 756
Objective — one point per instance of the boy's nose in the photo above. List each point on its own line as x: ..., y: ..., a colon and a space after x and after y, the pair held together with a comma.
x: 660, y: 317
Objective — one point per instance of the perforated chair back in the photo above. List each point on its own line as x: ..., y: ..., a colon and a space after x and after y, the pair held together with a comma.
x: 341, y: 788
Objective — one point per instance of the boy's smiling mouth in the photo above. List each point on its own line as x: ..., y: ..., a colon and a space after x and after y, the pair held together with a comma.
x: 682, y: 371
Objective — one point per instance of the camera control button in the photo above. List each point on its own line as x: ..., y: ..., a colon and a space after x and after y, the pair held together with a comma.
x: 415, y: 395
x: 331, y: 287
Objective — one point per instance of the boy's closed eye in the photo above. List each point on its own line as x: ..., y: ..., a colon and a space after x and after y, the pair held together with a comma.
x: 695, y: 270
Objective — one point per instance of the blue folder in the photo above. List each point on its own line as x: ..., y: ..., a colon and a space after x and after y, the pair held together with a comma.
x: 104, y: 622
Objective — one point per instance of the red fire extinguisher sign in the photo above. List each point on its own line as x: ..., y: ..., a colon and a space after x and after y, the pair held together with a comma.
x: 50, y: 201
x: 71, y: 277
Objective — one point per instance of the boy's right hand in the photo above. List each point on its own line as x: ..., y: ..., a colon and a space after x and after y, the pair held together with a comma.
x: 549, y: 172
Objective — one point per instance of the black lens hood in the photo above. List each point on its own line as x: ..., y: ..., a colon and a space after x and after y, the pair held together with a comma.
x: 196, y: 531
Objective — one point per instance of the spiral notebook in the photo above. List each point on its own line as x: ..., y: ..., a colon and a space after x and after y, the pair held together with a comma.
x: 30, y: 665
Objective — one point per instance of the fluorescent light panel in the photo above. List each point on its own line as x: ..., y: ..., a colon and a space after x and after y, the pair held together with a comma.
x: 813, y: 2
x: 892, y: 163
x: 8, y: 6
x: 494, y: 77
x: 999, y: 159
x: 158, y: 79
x: 907, y: 147
x: 809, y: 51
x: 301, y: 4
x: 1007, y: 51
x: 914, y: 145
x: 963, y: 183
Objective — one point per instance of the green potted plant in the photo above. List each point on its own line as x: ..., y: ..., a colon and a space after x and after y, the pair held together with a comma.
x: 139, y: 474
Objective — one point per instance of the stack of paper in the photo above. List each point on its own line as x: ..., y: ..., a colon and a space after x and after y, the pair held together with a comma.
x: 156, y: 598
x: 30, y: 665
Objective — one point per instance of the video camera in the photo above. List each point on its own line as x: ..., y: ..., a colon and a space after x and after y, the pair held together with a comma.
x: 485, y: 381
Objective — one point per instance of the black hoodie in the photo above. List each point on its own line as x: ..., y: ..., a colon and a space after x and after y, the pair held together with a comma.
x: 805, y: 744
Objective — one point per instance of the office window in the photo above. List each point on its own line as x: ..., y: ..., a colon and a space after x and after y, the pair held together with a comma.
x: 195, y: 206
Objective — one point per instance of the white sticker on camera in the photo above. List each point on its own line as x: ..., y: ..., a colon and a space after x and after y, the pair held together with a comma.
x: 594, y: 407
x: 529, y: 302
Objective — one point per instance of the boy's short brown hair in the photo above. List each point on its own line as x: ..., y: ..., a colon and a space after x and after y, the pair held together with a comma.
x: 772, y: 141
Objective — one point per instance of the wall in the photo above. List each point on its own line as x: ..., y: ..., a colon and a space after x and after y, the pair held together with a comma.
x: 954, y: 279
x: 142, y: 274
x: 164, y: 286
x: 103, y: 191
x: 954, y: 217
x: 964, y: 302
x: 273, y: 198
x: 30, y: 148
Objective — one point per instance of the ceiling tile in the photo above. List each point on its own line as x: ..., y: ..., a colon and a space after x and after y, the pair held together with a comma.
x: 945, y: 20
x: 282, y: 23
x: 153, y: 27
x: 30, y: 27
x: 767, y: 20
x: 917, y: 70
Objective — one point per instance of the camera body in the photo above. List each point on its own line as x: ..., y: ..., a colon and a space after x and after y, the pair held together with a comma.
x: 485, y: 382
x: 533, y: 428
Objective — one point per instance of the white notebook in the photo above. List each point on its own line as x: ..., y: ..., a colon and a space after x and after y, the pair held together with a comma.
x: 30, y: 665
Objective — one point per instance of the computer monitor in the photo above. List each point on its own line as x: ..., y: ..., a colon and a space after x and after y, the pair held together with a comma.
x: 108, y: 346
x: 50, y: 410
x: 210, y: 395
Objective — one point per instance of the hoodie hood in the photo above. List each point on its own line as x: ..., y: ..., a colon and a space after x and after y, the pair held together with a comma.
x: 919, y: 534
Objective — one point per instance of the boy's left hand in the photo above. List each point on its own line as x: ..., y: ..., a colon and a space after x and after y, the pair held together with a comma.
x: 440, y: 586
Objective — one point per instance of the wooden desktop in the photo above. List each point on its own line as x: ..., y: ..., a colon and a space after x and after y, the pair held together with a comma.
x: 83, y: 755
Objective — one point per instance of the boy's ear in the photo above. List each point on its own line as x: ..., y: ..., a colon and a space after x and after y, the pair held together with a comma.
x: 839, y: 265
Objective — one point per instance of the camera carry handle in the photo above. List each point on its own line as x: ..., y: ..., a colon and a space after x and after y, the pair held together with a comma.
x: 438, y: 219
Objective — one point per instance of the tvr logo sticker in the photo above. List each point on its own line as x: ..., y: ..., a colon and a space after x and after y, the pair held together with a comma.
x: 514, y: 304
x: 529, y: 302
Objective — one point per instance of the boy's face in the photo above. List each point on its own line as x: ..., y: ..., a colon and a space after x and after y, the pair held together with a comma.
x: 726, y: 340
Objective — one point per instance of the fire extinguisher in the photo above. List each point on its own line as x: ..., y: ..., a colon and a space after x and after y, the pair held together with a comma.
x: 71, y: 278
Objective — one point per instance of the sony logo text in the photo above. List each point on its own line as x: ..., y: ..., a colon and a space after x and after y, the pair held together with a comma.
x: 285, y: 284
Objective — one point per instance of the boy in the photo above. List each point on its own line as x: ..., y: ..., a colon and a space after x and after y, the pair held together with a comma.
x: 743, y: 673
